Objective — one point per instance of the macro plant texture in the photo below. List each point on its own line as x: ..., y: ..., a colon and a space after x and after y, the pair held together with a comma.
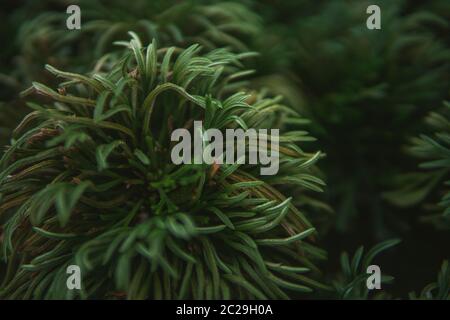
x: 87, y: 179
x: 89, y: 182
x: 43, y: 38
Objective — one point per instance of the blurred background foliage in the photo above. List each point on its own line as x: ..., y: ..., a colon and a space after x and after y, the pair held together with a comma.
x: 367, y: 94
x: 375, y: 99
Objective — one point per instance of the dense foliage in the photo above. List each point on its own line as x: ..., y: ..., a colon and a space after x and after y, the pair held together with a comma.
x: 91, y: 183
x: 85, y: 170
x: 350, y: 80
